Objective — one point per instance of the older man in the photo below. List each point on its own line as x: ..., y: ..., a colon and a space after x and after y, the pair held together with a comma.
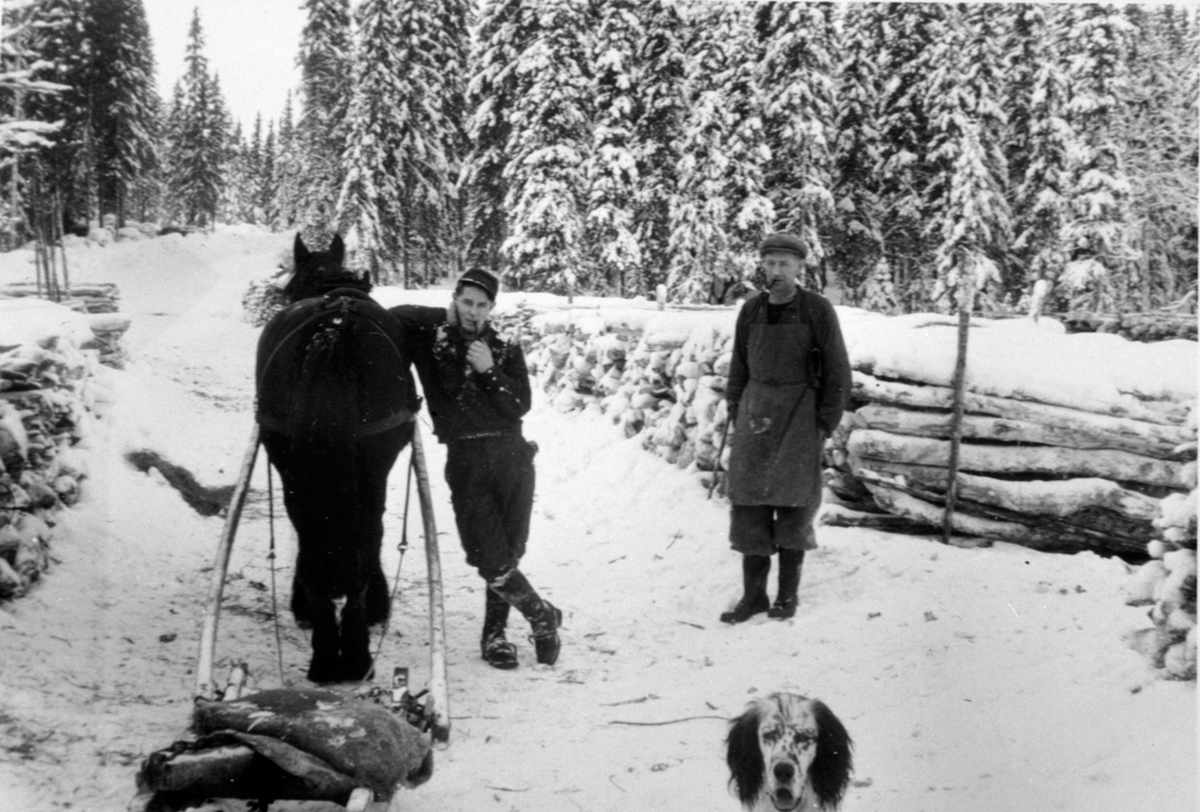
x: 477, y: 388
x: 788, y: 384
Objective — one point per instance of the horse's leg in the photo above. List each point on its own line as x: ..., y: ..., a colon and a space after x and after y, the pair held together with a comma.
x: 375, y: 462
x: 356, y: 662
x: 326, y: 638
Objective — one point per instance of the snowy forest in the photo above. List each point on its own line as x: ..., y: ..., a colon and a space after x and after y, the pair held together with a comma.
x: 612, y: 146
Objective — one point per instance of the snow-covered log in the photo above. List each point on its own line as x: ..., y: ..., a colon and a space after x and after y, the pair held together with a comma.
x: 1029, y: 460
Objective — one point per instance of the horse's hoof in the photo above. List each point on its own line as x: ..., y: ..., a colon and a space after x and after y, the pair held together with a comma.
x: 323, y: 675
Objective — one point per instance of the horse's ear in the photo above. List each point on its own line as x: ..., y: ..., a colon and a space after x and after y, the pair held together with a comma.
x: 337, y: 250
x: 299, y: 249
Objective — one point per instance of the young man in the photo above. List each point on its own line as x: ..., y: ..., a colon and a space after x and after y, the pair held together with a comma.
x: 788, y: 385
x: 477, y: 389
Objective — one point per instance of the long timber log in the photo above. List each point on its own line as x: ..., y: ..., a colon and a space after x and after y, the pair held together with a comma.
x: 1028, y: 461
x: 1165, y: 424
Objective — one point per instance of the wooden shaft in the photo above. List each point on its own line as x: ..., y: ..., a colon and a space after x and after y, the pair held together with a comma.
x: 956, y: 413
x: 439, y: 689
x: 212, y: 610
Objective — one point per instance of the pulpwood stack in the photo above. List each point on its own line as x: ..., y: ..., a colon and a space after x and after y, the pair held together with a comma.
x: 45, y: 405
x: 1070, y: 442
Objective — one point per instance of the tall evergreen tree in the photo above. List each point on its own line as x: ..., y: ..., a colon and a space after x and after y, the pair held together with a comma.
x: 612, y: 167
x: 56, y: 36
x: 550, y: 118
x: 968, y: 217
x: 657, y: 130
x: 326, y: 54
x: 425, y: 52
x: 453, y: 37
x: 288, y: 172
x: 720, y: 212
x: 124, y: 101
x: 491, y: 93
x: 910, y: 33
x: 1097, y: 226
x: 1039, y: 139
x: 370, y: 204
x: 856, y: 246
x: 1159, y: 137
x: 199, y: 126
x: 796, y: 77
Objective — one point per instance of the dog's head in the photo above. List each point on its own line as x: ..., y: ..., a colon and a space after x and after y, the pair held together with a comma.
x: 791, y: 749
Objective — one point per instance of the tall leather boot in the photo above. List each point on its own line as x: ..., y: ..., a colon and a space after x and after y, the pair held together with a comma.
x: 790, y: 564
x: 493, y: 645
x: 544, y: 617
x: 755, y: 569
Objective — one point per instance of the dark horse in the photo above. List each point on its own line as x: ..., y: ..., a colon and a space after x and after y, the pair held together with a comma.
x: 335, y: 405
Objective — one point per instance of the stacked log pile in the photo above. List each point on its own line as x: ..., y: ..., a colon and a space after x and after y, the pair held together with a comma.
x: 1056, y: 471
x: 44, y: 402
x: 665, y: 385
x: 99, y: 300
x: 1039, y: 474
x: 1167, y: 583
x: 1153, y: 326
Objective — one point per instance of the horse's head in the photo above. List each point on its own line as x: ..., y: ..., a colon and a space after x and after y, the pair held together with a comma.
x: 318, y: 272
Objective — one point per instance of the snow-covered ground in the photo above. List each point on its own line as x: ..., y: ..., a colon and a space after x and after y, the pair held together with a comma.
x: 987, y: 680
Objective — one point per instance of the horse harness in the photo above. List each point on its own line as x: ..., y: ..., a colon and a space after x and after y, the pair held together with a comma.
x: 336, y: 303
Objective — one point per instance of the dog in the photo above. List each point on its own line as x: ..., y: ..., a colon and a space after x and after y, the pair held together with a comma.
x: 789, y: 753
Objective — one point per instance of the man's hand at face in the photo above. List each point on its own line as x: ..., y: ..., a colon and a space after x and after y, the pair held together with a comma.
x: 479, y: 356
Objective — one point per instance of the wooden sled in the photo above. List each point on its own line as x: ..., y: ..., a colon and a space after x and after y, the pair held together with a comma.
x: 291, y: 744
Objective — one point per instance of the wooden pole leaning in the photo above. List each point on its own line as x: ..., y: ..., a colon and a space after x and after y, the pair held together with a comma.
x: 438, y: 703
x: 212, y: 610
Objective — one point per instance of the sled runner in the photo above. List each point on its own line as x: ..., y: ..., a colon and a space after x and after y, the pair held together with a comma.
x: 303, y: 744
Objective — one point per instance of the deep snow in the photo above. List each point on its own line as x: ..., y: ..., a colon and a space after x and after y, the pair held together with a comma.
x: 971, y: 679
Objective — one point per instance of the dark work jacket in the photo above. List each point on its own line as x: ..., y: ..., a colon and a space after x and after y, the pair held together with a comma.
x: 462, y: 402
x: 834, y: 380
x: 787, y: 406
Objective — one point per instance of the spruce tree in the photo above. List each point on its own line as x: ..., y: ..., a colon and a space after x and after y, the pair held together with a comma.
x: 1160, y: 137
x: 370, y: 204
x: 491, y: 92
x: 912, y: 32
x: 59, y: 53
x: 199, y: 129
x: 550, y: 118
x: 1097, y: 226
x: 1039, y: 140
x: 796, y: 77
x: 968, y: 218
x: 612, y: 167
x: 656, y: 135
x: 288, y: 172
x: 325, y: 60
x: 124, y: 101
x: 856, y: 246
x: 720, y: 212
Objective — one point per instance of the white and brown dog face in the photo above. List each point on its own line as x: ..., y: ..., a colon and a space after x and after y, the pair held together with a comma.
x: 789, y: 753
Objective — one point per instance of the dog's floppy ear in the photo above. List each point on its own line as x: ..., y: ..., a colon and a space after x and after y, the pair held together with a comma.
x: 744, y: 756
x: 831, y: 768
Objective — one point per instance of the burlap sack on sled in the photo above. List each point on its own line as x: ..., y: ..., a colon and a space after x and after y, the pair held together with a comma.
x: 319, y: 745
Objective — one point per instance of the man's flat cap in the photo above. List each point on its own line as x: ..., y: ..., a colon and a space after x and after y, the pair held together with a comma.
x: 481, y: 278
x: 782, y: 241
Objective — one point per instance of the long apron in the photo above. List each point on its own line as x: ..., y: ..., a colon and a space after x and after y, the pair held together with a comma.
x: 776, y: 454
